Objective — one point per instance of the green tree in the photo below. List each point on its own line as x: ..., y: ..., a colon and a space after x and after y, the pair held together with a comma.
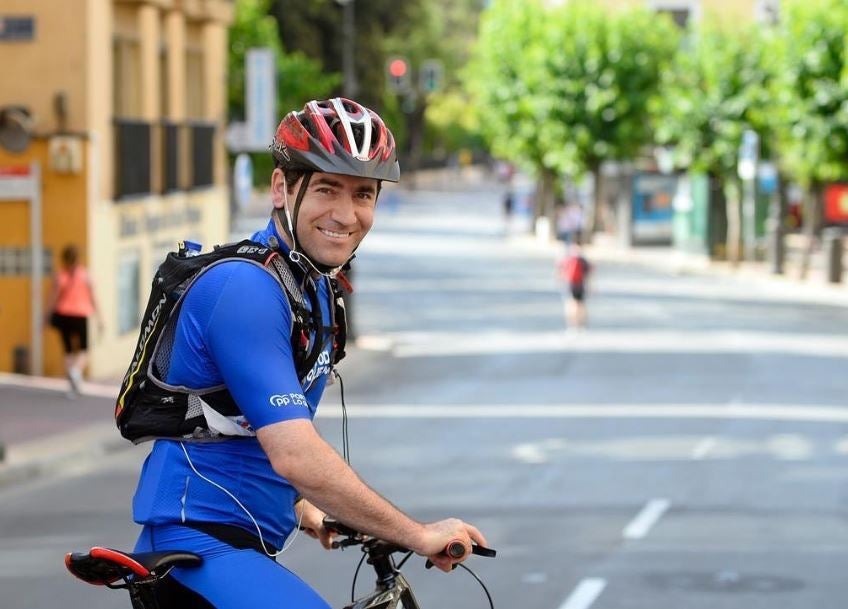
x: 440, y: 30
x: 716, y: 90
x: 505, y: 80
x: 604, y: 70
x: 315, y: 28
x: 299, y: 78
x: 566, y: 89
x: 811, y: 94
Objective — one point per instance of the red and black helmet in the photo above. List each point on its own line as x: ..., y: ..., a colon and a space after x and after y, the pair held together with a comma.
x: 337, y: 136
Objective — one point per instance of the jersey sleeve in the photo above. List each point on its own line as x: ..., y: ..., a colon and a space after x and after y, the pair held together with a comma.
x: 248, y: 337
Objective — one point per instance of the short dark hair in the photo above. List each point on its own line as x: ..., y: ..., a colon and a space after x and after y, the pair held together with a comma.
x: 70, y: 255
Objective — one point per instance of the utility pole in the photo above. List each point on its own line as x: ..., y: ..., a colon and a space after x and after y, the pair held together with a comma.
x: 350, y: 87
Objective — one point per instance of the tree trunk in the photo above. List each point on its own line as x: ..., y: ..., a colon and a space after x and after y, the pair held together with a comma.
x: 733, y: 208
x: 812, y: 221
x: 595, y: 220
x: 543, y: 203
x: 415, y: 129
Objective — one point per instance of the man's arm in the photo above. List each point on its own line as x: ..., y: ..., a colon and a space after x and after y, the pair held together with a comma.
x: 303, y: 458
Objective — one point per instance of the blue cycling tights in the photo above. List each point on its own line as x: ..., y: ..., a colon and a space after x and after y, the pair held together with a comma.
x: 229, y: 578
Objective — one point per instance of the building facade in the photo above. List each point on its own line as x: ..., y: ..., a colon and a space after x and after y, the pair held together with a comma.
x: 127, y: 104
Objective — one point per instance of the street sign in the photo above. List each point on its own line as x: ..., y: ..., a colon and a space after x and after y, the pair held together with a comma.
x: 261, y: 98
x: 431, y: 75
x: 17, y: 183
x: 243, y: 181
x: 398, y: 74
x: 749, y: 152
x: 767, y: 178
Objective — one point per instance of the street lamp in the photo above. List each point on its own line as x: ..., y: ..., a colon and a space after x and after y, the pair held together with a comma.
x: 349, y: 86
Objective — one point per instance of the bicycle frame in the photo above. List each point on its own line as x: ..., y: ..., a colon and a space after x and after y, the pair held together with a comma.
x: 400, y: 595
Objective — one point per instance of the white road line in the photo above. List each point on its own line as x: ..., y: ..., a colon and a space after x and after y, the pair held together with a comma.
x: 810, y: 413
x: 703, y: 448
x: 586, y: 593
x: 646, y: 519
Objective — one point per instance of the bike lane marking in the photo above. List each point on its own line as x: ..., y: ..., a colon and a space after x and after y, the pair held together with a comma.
x: 646, y: 519
x: 586, y: 593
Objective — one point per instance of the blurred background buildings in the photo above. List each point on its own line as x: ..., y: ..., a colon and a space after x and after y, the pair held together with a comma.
x: 646, y: 113
x: 123, y: 103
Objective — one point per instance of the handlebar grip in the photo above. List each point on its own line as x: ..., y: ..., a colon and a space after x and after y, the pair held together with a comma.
x: 339, y: 527
x: 455, y: 549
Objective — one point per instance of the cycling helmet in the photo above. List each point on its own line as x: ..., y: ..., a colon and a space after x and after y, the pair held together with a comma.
x: 337, y: 136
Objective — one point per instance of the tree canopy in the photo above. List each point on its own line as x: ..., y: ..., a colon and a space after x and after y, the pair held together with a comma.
x: 811, y: 91
x: 717, y: 88
x: 565, y: 89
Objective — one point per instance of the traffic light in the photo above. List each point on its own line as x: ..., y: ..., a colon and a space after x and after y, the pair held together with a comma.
x: 398, y: 74
x: 431, y: 75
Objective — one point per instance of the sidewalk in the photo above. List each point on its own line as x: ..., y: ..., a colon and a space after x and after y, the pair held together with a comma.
x: 43, y: 430
x: 756, y: 274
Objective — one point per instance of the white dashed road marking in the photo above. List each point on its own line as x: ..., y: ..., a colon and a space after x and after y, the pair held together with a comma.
x: 646, y: 519
x: 703, y: 448
x: 586, y: 593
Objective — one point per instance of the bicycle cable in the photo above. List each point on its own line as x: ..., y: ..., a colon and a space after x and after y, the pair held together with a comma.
x: 482, y: 585
x: 345, y: 431
x: 288, y: 541
x: 355, y: 576
x: 399, y: 566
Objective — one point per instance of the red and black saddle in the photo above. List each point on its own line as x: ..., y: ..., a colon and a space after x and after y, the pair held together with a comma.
x: 105, y: 567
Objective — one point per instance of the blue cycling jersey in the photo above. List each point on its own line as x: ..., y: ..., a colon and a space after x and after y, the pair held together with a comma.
x: 234, y: 329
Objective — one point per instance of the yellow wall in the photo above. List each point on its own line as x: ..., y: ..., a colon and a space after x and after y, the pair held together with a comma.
x: 63, y: 220
x: 52, y: 62
x: 73, y: 53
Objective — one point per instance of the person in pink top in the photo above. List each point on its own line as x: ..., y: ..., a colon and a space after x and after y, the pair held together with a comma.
x: 71, y: 303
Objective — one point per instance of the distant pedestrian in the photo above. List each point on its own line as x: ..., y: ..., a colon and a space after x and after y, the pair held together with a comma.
x: 569, y: 222
x: 70, y: 305
x: 574, y: 272
x: 508, y: 203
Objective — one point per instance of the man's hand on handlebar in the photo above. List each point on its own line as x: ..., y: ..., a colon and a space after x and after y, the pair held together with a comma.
x: 444, y: 537
x: 312, y: 523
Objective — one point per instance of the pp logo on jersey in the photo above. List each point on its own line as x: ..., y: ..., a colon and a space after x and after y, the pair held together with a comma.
x: 251, y: 249
x: 280, y: 400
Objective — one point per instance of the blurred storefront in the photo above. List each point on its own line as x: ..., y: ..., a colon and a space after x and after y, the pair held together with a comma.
x: 123, y: 103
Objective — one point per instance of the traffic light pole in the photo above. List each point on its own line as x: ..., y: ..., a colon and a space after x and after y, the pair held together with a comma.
x: 349, y: 86
x: 349, y: 89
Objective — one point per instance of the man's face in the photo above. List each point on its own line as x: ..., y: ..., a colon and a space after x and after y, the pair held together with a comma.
x: 336, y: 213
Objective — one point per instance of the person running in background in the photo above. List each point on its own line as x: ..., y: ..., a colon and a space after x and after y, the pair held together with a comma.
x: 71, y: 303
x: 574, y: 272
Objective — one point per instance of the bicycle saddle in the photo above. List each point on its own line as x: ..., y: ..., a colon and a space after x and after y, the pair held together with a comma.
x: 103, y: 566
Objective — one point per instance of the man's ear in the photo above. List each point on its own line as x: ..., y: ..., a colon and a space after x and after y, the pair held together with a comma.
x: 278, y: 188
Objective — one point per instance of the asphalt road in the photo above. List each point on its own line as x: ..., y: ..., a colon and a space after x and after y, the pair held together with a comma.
x: 687, y: 451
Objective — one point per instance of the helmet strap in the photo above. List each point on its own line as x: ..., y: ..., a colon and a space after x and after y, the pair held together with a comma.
x: 288, y: 220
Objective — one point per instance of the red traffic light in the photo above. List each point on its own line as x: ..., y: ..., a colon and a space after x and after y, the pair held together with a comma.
x: 397, y: 68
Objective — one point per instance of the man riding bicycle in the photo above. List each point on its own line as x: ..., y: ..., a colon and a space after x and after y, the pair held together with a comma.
x: 236, y: 499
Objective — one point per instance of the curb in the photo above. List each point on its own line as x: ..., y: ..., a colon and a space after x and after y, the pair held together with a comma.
x: 31, y: 460
x: 59, y: 452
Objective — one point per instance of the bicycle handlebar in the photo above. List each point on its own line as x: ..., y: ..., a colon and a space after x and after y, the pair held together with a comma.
x: 455, y: 549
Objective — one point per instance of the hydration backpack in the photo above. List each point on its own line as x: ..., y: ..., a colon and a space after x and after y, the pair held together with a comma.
x: 148, y: 408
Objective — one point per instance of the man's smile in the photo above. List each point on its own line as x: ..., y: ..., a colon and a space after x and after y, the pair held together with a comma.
x: 334, y: 234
